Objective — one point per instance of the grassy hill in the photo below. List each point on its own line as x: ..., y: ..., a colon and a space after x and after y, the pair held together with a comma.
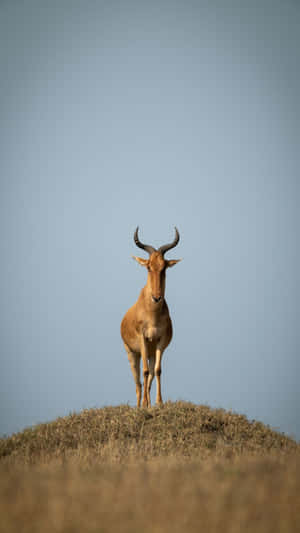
x: 181, y: 467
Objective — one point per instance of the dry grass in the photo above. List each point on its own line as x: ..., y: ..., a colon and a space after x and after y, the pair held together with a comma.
x: 177, y: 468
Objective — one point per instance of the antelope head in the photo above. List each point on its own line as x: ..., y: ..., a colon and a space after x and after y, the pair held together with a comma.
x: 156, y: 266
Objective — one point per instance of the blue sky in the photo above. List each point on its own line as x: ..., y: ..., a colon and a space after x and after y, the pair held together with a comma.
x: 118, y: 114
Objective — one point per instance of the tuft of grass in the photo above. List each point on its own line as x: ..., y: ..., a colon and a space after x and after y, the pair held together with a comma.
x: 180, y: 467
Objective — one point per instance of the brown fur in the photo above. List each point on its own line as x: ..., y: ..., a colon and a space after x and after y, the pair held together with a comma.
x: 146, y: 328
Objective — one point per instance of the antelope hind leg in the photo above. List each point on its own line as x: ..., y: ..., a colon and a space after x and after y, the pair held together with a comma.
x: 134, y: 360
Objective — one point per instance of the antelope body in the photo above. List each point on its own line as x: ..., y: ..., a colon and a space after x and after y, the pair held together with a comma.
x: 146, y: 328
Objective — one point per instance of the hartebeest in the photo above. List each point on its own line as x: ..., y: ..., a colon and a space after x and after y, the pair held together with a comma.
x: 146, y: 329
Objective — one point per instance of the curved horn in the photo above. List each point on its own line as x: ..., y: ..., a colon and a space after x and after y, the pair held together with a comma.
x: 145, y: 247
x: 163, y: 249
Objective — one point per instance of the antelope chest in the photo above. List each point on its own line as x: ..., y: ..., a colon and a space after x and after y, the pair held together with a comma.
x: 152, y: 333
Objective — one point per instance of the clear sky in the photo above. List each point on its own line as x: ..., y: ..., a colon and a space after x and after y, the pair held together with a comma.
x: 115, y: 114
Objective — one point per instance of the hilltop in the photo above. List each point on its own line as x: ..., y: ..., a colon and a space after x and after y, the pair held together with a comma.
x: 180, y: 467
x: 180, y: 428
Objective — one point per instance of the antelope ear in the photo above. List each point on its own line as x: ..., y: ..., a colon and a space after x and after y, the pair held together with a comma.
x: 141, y: 261
x: 172, y: 262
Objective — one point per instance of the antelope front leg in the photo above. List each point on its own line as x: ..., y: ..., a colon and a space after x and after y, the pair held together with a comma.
x: 145, y: 372
x: 157, y: 371
x: 151, y: 363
